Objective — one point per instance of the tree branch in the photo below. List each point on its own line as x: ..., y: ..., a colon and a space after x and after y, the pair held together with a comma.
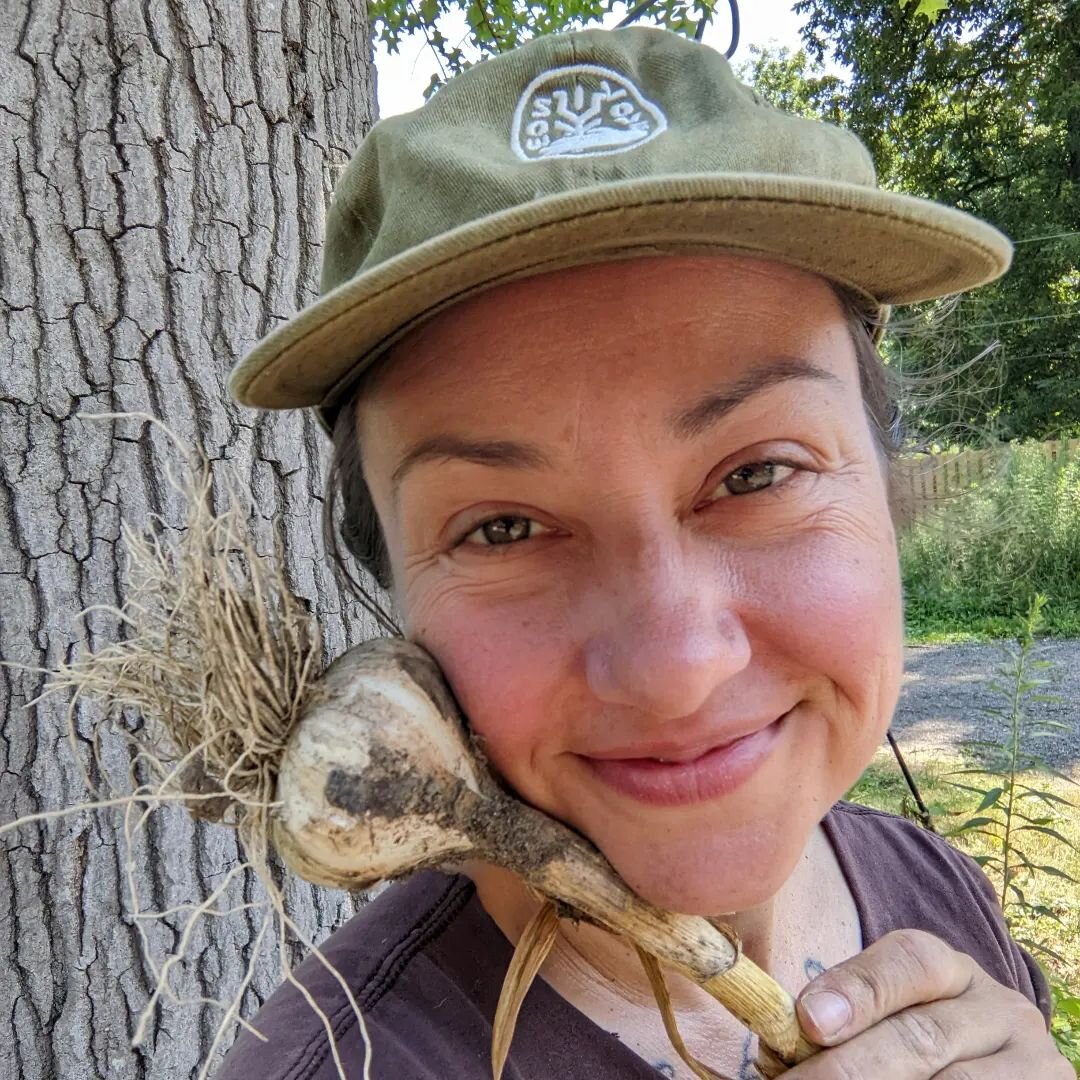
x: 482, y: 8
x: 635, y: 13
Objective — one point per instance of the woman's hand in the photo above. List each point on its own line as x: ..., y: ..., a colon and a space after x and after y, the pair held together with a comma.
x: 911, y: 1008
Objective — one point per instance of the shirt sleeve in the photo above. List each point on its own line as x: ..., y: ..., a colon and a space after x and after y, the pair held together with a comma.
x: 398, y: 1036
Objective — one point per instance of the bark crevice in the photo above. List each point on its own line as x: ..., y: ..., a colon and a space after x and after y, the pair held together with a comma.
x: 164, y: 175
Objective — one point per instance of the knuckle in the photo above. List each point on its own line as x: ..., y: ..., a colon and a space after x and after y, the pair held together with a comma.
x: 909, y: 958
x: 1033, y: 1022
x: 1039, y: 1044
x: 923, y: 1036
x: 933, y: 966
x: 872, y: 985
x: 920, y: 952
x: 1024, y: 1022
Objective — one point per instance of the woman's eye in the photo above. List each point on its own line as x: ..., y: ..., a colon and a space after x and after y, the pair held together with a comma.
x: 504, y: 530
x: 508, y: 529
x: 754, y: 476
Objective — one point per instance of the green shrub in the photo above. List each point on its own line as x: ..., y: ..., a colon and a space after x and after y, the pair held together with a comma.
x: 971, y: 562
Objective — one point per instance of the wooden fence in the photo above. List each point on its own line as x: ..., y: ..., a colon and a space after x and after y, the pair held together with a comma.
x: 924, y: 481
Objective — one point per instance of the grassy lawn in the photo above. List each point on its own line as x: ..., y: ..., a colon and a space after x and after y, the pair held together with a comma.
x: 882, y: 786
x: 927, y: 626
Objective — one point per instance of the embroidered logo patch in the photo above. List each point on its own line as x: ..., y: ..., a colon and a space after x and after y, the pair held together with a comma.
x: 582, y: 111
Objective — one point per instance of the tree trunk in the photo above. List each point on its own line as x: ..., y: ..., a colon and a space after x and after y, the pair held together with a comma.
x: 165, y: 167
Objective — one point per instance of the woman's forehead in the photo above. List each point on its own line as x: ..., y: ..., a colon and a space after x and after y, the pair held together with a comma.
x: 662, y: 326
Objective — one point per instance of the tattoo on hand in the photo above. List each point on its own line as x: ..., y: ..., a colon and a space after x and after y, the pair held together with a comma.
x: 665, y: 1068
x: 813, y: 968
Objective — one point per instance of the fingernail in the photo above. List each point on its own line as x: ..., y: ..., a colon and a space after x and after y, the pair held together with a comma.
x: 829, y: 1012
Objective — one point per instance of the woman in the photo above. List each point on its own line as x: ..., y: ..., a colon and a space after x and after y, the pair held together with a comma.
x: 596, y: 350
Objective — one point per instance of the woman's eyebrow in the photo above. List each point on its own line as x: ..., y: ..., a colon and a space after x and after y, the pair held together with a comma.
x: 517, y: 455
x: 691, y: 422
x: 686, y: 423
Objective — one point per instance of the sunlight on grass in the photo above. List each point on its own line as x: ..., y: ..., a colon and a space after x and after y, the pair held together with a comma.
x: 939, y: 629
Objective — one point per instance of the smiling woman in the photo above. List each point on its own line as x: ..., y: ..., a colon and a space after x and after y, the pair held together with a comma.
x: 597, y: 353
x: 662, y: 502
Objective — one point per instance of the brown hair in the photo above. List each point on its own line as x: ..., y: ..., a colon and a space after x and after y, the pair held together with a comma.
x: 350, y: 521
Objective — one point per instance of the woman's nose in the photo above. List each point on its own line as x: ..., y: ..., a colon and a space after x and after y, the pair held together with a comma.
x: 664, y: 640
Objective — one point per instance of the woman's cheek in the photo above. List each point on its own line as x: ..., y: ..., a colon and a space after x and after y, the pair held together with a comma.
x: 509, y: 669
x: 841, y: 618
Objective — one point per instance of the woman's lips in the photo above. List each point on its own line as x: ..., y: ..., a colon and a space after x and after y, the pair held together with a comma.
x: 715, y: 773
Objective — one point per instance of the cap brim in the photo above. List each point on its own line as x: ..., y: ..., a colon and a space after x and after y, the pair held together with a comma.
x: 892, y: 249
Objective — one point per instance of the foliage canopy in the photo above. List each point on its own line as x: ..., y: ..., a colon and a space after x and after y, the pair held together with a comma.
x: 494, y: 26
x: 977, y: 106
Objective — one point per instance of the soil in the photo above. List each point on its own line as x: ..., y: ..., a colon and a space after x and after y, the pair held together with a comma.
x: 945, y: 690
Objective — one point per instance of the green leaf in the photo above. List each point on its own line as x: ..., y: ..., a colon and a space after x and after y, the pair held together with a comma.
x: 975, y: 823
x: 1045, y: 912
x: 989, y: 799
x: 1052, y: 833
x: 1046, y: 796
x: 1038, y: 947
x: 966, y: 787
x: 1054, y: 871
x: 993, y: 837
x: 1070, y: 1006
x: 1043, y: 767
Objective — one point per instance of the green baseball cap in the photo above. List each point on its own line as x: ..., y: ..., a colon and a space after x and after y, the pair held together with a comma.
x: 582, y: 147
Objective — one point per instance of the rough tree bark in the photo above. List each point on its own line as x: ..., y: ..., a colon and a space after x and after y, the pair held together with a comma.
x: 164, y: 171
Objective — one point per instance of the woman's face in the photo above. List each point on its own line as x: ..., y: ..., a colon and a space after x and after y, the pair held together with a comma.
x: 636, y: 512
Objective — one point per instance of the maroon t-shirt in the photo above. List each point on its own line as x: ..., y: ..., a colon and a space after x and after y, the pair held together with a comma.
x: 426, y: 964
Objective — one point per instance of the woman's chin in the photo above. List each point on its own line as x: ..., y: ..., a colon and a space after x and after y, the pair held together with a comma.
x: 711, y: 879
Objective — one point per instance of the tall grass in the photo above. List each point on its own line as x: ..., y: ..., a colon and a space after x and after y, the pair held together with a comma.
x: 1054, y: 914
x: 970, y: 563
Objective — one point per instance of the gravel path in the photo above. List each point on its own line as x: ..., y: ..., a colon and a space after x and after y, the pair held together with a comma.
x: 945, y: 685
